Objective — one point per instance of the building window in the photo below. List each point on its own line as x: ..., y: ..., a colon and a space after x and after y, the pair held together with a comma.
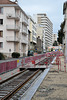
x: 1, y: 44
x: 32, y: 32
x: 1, y: 33
x: 1, y: 21
x: 1, y: 10
x: 33, y: 38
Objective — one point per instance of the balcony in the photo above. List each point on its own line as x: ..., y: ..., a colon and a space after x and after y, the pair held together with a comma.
x: 24, y: 41
x: 25, y: 22
x: 12, y: 39
x: 13, y: 16
x: 12, y: 28
x: 24, y: 31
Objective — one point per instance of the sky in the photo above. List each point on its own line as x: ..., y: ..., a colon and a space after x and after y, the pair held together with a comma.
x: 53, y: 9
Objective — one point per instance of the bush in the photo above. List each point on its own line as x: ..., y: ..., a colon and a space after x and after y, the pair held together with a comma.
x: 15, y: 55
x: 2, y: 56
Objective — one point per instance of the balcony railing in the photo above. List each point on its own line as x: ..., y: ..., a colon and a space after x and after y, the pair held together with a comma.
x: 13, y: 16
x: 24, y: 41
x: 12, y: 39
x: 24, y: 31
x: 12, y: 28
x: 25, y: 21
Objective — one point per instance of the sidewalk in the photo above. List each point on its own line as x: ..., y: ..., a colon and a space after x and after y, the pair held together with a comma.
x: 54, y: 86
x: 9, y: 74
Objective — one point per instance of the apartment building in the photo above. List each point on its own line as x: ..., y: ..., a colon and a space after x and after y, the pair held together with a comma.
x: 54, y: 37
x: 33, y: 33
x: 47, y: 25
x: 13, y: 28
x: 41, y: 36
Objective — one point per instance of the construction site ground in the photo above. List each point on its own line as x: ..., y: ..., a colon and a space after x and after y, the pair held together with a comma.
x: 54, y: 85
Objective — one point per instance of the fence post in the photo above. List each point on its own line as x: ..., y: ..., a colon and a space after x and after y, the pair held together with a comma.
x: 65, y: 64
x: 60, y: 65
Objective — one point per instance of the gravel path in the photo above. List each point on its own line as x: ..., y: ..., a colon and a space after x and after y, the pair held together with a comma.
x: 54, y: 86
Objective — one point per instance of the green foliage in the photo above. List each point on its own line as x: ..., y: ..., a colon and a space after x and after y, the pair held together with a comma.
x: 55, y: 43
x: 15, y: 55
x: 2, y: 56
x: 61, y: 33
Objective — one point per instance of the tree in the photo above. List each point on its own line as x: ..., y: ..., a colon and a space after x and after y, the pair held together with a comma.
x: 61, y: 33
x: 55, y: 43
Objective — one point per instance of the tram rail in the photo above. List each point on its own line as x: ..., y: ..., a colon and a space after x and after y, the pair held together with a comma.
x: 9, y: 89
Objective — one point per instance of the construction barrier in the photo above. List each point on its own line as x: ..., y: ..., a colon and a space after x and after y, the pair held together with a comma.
x: 58, y: 61
x: 6, y: 66
x: 27, y: 62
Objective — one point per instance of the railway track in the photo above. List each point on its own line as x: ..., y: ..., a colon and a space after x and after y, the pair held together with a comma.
x: 12, y: 88
x: 43, y: 62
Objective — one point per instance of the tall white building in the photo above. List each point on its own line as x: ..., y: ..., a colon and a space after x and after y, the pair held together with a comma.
x: 13, y: 28
x: 45, y: 22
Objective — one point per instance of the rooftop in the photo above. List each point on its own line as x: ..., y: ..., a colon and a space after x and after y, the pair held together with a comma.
x: 6, y: 2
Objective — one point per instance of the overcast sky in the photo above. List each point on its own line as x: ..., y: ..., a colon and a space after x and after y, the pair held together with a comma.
x: 53, y: 9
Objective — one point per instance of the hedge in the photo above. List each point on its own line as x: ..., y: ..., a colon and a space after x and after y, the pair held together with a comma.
x: 15, y: 55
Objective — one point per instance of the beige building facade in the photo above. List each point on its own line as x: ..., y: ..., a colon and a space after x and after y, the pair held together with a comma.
x: 41, y: 35
x: 13, y: 28
x: 54, y: 37
x: 47, y: 25
x: 33, y: 33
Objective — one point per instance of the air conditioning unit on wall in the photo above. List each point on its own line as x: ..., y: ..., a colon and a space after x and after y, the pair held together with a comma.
x: 9, y: 15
